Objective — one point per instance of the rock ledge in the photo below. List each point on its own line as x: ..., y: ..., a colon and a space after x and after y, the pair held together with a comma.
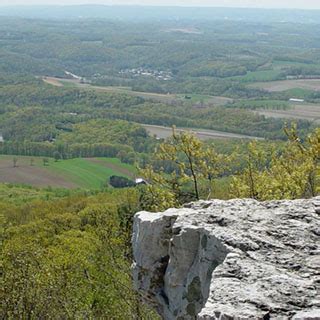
x: 236, y: 259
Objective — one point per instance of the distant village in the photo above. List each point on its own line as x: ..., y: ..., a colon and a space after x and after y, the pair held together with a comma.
x: 157, y: 74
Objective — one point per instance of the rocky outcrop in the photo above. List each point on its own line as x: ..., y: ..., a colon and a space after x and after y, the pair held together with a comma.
x: 237, y: 259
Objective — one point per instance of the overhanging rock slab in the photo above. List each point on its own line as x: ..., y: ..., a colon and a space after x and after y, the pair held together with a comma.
x: 236, y: 259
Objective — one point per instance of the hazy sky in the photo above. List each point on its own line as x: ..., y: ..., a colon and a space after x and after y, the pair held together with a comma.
x: 305, y: 4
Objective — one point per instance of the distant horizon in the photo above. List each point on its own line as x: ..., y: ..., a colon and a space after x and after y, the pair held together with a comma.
x: 150, y: 5
x: 227, y: 4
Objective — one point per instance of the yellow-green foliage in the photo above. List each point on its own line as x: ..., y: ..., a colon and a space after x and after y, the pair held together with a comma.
x: 290, y: 174
x: 69, y: 259
x: 263, y: 171
x: 195, y: 165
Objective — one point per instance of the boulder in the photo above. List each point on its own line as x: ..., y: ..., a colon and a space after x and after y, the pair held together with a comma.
x: 236, y: 259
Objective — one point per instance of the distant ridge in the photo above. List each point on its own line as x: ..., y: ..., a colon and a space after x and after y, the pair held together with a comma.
x: 145, y: 13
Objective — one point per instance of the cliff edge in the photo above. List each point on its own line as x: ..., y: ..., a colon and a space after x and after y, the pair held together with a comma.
x: 236, y: 259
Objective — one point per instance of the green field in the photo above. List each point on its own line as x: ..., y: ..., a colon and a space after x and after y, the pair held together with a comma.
x: 93, y: 173
x: 201, y: 98
x: 194, y: 97
x: 263, y: 75
x: 299, y: 93
x: 283, y: 64
x: 261, y: 104
x: 87, y: 174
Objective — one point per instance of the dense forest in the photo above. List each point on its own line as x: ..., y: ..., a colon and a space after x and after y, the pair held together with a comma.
x: 67, y: 256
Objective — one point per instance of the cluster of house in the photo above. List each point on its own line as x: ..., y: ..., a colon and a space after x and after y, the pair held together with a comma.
x: 158, y: 74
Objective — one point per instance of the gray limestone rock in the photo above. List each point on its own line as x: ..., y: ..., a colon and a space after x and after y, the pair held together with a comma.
x: 236, y: 259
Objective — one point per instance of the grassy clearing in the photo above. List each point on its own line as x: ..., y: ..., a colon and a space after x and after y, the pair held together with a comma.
x: 306, y: 86
x: 116, y: 165
x: 299, y: 93
x: 277, y: 64
x: 261, y: 76
x: 30, y: 171
x: 261, y: 104
x: 88, y: 174
x: 310, y: 112
x: 195, y: 97
x: 72, y: 173
x: 201, y: 98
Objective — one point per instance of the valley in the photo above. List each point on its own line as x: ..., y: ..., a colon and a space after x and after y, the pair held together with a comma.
x: 166, y: 98
x: 89, y: 98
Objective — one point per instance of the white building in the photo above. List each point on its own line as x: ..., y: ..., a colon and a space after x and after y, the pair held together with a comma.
x: 296, y: 100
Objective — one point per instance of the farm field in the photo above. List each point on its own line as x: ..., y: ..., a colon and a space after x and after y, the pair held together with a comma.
x: 218, y: 101
x: 165, y: 132
x: 114, y: 164
x: 73, y: 173
x: 262, y: 104
x: 52, y: 81
x: 299, y: 111
x: 255, y: 76
x: 283, y: 85
x: 35, y: 175
x: 60, y: 82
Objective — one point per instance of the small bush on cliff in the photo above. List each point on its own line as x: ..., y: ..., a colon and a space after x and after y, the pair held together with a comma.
x: 259, y: 172
x: 195, y: 167
x: 288, y: 174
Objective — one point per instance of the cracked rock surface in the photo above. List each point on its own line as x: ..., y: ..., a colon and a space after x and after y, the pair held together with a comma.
x: 236, y: 259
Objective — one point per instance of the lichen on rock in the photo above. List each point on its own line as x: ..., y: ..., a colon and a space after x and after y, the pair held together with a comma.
x: 236, y: 259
